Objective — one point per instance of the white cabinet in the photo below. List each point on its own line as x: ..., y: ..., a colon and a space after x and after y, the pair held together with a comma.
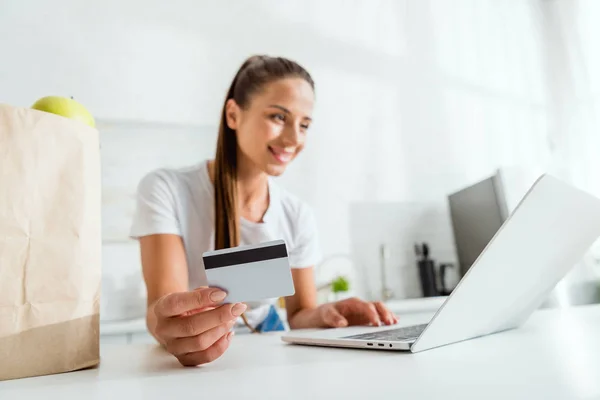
x: 113, y: 339
x: 142, y: 337
x: 127, y: 338
x: 125, y: 332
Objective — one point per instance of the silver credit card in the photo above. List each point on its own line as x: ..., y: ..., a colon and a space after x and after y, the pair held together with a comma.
x: 250, y: 273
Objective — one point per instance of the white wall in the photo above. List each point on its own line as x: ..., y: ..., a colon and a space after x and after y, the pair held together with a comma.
x: 415, y: 99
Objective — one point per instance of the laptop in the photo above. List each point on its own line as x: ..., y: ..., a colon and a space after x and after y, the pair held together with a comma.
x: 546, y: 235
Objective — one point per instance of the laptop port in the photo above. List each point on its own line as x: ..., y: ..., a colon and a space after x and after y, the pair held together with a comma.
x: 369, y: 344
x: 381, y: 345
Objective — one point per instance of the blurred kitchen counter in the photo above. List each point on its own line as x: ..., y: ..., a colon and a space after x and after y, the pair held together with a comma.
x: 134, y: 331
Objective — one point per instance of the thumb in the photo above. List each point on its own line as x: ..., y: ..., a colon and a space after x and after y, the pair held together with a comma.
x: 333, y: 318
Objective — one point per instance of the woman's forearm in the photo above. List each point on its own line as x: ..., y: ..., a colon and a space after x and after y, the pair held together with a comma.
x: 306, y: 318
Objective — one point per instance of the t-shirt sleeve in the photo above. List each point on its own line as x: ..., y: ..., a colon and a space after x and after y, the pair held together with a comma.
x: 306, y: 251
x: 155, y: 207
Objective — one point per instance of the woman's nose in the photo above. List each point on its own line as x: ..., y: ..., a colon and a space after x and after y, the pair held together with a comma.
x: 292, y: 136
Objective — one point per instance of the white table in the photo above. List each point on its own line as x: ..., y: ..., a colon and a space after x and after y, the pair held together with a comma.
x: 556, y: 355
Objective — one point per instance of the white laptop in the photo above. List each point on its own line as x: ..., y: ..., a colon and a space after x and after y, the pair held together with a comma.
x: 546, y: 235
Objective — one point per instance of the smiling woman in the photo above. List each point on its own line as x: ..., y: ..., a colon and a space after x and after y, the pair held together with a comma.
x: 283, y: 155
x: 230, y: 201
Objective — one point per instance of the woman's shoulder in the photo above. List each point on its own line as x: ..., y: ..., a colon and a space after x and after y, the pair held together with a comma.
x: 176, y: 184
x: 173, y: 177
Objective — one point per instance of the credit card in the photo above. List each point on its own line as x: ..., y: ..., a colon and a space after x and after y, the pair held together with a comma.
x: 250, y: 273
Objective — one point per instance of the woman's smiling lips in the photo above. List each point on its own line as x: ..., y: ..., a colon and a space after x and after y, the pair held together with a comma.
x: 281, y: 154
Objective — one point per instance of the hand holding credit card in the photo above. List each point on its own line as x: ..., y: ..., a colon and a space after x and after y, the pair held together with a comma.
x: 250, y: 273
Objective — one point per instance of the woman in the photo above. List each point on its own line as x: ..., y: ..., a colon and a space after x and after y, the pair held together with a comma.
x: 230, y: 201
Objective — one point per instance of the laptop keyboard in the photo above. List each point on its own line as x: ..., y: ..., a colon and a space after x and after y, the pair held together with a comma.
x: 392, y: 335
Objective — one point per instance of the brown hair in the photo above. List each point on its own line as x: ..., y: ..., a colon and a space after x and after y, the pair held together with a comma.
x: 254, y: 73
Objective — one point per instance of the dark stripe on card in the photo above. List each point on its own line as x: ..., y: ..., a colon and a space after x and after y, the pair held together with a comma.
x: 245, y: 256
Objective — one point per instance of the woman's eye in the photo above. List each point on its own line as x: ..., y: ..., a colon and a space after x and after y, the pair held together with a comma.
x: 278, y: 117
x: 304, y: 126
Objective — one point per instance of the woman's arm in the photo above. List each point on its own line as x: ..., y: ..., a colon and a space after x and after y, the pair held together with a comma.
x: 165, y: 271
x: 302, y: 308
x: 191, y: 325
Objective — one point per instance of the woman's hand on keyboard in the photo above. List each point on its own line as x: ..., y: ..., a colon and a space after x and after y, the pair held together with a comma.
x: 355, y: 311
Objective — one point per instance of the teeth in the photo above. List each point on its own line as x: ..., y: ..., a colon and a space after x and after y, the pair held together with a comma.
x: 282, y: 155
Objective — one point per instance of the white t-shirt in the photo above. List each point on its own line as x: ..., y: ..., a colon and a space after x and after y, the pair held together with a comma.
x: 181, y: 202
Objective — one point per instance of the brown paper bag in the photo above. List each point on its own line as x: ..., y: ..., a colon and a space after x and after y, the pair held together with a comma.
x: 50, y: 243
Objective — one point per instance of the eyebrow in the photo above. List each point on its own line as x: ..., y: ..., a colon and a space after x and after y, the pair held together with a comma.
x: 287, y: 111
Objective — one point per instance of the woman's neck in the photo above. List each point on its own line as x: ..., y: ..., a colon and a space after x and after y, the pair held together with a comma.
x: 253, y: 186
x: 253, y: 189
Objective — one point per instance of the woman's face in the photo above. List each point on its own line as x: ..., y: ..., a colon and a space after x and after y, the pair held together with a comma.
x: 271, y: 129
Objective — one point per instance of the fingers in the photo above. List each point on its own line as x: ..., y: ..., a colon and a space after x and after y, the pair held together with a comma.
x: 211, y: 354
x: 198, y: 323
x: 333, y: 318
x: 372, y: 314
x: 359, y: 312
x: 385, y: 315
x: 176, y: 304
x: 198, y: 343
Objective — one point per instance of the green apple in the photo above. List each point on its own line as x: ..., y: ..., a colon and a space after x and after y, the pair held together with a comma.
x: 66, y: 107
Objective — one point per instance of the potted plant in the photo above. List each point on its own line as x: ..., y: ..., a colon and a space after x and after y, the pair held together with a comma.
x: 340, y: 288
